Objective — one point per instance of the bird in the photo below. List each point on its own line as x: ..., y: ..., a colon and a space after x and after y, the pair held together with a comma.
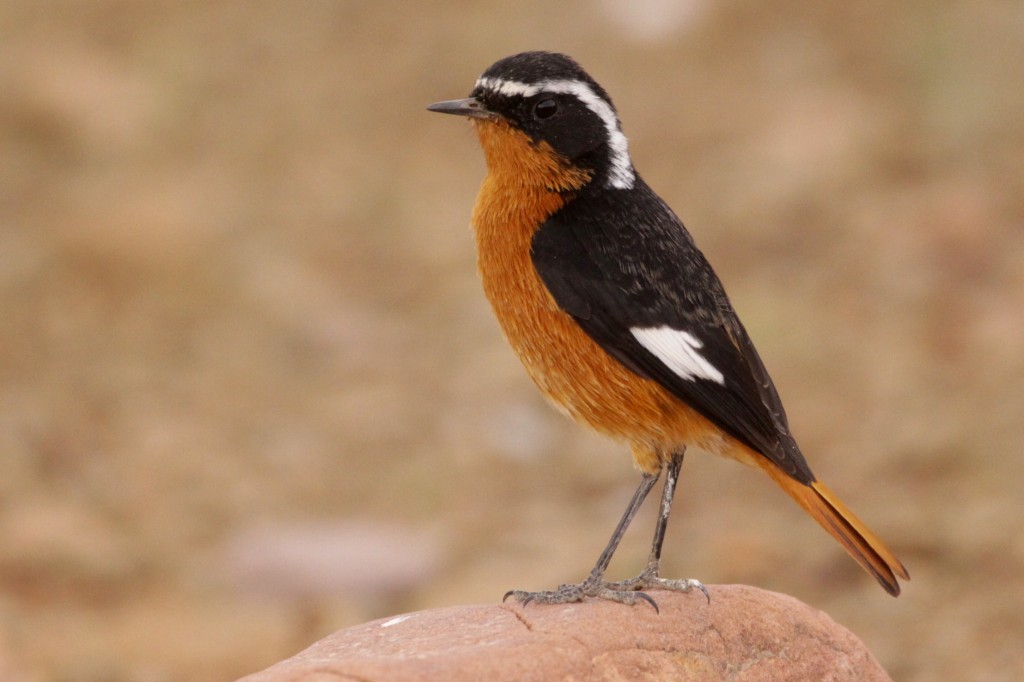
x: 617, y: 316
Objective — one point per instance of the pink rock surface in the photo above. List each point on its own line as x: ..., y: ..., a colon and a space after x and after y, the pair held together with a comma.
x: 743, y: 635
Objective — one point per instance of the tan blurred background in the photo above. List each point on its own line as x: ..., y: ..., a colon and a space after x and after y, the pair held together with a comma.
x: 250, y: 392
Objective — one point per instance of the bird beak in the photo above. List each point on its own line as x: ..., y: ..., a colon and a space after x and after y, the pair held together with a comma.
x: 471, y: 107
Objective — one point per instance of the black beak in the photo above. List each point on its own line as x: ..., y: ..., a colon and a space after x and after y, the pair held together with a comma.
x: 471, y: 107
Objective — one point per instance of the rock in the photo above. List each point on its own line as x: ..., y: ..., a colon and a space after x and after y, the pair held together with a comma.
x: 743, y: 635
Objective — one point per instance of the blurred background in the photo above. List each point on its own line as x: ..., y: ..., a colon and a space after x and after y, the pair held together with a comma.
x: 251, y: 392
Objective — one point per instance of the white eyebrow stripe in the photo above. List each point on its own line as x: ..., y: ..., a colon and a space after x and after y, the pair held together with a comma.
x: 679, y: 350
x: 620, y: 175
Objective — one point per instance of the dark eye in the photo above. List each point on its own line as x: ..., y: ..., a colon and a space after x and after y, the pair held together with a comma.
x: 545, y: 108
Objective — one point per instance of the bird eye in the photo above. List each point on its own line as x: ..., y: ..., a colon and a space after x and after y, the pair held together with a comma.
x: 545, y: 108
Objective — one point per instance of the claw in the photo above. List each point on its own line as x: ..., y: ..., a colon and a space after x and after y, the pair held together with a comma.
x: 646, y: 597
x: 707, y: 595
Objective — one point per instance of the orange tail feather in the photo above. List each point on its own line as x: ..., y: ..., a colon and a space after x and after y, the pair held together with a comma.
x: 842, y: 524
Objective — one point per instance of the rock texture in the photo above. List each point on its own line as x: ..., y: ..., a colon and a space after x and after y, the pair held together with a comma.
x: 743, y: 635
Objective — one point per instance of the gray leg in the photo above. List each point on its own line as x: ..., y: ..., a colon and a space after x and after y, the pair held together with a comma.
x: 594, y: 585
x: 649, y: 578
x: 627, y: 591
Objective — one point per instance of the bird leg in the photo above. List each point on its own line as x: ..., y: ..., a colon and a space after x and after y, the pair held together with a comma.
x: 595, y: 584
x: 626, y: 591
x: 649, y: 578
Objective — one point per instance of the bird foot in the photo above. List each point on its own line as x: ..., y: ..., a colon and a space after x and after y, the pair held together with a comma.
x: 649, y: 580
x: 624, y: 592
x: 568, y: 594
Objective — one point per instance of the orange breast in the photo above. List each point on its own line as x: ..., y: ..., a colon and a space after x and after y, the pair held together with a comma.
x: 525, y: 184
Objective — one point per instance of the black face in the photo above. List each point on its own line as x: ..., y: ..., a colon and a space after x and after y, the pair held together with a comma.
x: 561, y: 120
x: 550, y: 98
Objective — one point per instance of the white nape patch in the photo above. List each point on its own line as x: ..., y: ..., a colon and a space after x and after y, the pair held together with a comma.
x: 679, y: 351
x: 621, y: 175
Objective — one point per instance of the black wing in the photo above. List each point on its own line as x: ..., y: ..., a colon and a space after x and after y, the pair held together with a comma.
x: 622, y: 260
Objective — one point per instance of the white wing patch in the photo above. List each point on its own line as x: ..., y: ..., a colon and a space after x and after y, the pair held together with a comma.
x: 679, y: 351
x: 621, y: 175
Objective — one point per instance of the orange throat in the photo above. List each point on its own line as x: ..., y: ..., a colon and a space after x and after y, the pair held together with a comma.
x: 525, y: 184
